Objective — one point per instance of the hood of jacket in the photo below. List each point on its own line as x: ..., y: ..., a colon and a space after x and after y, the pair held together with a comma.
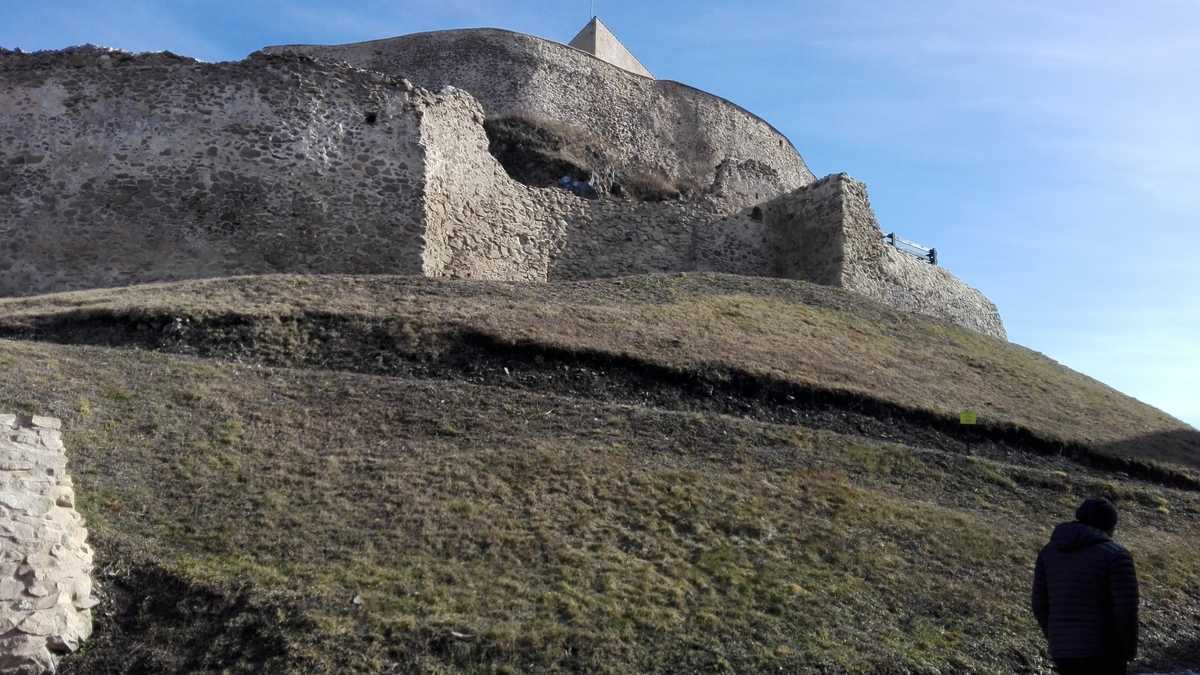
x: 1069, y: 537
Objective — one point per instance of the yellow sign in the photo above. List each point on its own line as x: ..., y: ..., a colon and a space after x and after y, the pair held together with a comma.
x: 968, y: 417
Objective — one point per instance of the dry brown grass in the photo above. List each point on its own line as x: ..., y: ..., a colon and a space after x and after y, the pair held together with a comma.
x: 488, y: 530
x: 792, y: 331
x: 238, y: 510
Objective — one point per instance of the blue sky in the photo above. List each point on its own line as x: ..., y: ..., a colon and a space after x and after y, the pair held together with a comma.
x: 1050, y: 150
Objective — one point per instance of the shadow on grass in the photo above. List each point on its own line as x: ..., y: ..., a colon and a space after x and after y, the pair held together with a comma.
x: 152, y: 621
x: 1181, y: 447
x: 1182, y: 657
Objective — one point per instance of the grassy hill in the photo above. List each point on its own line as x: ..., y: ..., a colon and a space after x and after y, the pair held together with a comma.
x: 687, y: 473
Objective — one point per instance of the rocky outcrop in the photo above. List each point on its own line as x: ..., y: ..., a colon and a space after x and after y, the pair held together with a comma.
x: 45, y: 561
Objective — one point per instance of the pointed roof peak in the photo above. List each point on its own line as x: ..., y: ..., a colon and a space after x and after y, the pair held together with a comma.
x: 598, y: 40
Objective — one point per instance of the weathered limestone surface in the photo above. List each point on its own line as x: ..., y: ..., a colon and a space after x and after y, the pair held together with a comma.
x: 650, y: 127
x: 119, y: 169
x: 45, y: 561
x: 479, y: 223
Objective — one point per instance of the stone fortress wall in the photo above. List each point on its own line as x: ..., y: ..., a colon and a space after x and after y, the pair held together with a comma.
x: 45, y: 561
x: 119, y: 169
x: 659, y: 127
x: 479, y: 223
x: 827, y: 233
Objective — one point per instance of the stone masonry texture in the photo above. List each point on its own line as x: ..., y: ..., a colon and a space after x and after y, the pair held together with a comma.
x: 882, y: 273
x: 658, y: 127
x: 118, y: 169
x: 826, y: 233
x: 45, y: 561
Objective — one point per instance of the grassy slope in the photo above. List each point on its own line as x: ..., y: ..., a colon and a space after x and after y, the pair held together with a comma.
x: 788, y: 330
x: 487, y: 529
x: 564, y: 536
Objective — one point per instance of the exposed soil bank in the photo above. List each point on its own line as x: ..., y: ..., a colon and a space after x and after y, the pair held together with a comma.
x: 395, y: 349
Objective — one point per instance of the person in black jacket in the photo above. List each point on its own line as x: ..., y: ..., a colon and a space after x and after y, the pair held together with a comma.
x: 1085, y: 594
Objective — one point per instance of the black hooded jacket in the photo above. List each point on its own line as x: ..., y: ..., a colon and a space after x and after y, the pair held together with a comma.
x: 1085, y: 595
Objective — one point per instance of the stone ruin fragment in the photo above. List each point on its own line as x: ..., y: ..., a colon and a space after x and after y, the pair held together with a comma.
x: 45, y: 561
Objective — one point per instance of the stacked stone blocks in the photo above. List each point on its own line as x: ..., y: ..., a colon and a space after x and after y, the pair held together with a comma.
x: 45, y: 560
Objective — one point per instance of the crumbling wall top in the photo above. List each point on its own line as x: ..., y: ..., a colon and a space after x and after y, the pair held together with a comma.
x: 674, y: 132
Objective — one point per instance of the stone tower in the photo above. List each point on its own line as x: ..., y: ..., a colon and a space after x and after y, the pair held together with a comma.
x: 596, y: 39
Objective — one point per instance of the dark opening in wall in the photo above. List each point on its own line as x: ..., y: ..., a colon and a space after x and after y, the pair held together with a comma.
x: 538, y: 154
x: 541, y: 152
x: 756, y: 215
x: 371, y: 118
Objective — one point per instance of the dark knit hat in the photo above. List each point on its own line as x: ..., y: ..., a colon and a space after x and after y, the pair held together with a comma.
x: 1098, y: 513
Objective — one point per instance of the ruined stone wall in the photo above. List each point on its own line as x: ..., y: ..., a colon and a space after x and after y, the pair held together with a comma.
x: 882, y: 273
x: 807, y: 233
x: 45, y: 561
x: 119, y: 169
x: 827, y: 233
x: 649, y: 127
x: 484, y: 225
x: 480, y: 224
x: 612, y: 237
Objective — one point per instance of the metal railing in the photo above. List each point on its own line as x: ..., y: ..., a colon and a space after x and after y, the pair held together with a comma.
x: 912, y: 248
